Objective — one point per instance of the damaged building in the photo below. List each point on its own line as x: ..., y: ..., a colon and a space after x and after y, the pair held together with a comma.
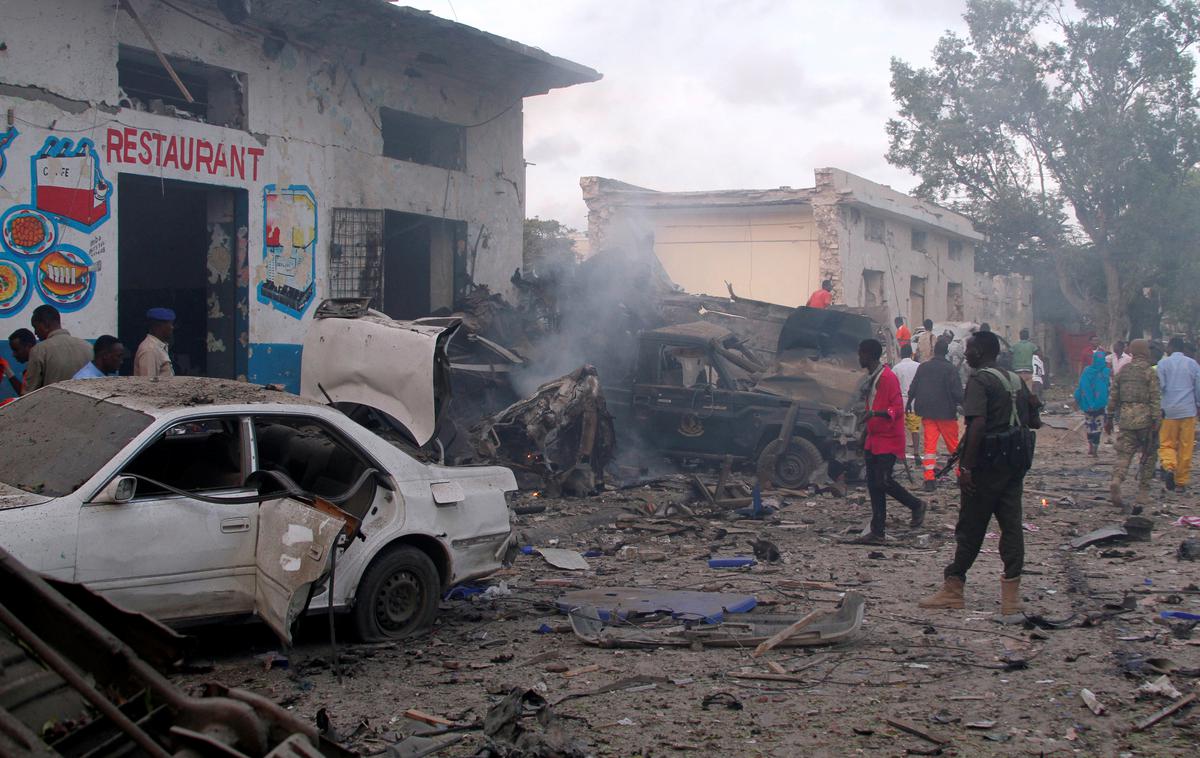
x: 879, y: 247
x: 241, y: 162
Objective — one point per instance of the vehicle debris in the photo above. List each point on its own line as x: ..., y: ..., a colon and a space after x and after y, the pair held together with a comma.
x: 623, y: 603
x: 571, y: 560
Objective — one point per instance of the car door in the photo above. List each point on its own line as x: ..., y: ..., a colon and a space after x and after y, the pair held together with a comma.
x: 292, y: 554
x: 172, y: 556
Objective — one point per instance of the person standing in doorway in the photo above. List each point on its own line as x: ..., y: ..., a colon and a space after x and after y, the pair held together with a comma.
x: 935, y: 394
x: 57, y: 355
x: 905, y: 369
x: 1179, y: 378
x: 1092, y: 397
x: 1022, y: 358
x: 108, y: 354
x: 884, y: 442
x: 152, y: 358
x: 998, y: 408
x: 903, y: 335
x: 925, y: 342
x: 822, y: 298
x: 1135, y: 402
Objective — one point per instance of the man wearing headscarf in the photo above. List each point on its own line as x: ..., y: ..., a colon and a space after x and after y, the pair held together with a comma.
x: 1092, y: 397
x: 1135, y: 402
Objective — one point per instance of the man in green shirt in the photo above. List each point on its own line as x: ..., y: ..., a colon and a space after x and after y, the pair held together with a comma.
x: 1022, y: 359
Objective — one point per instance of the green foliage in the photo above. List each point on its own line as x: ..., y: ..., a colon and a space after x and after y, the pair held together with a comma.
x: 1062, y: 133
x: 548, y: 247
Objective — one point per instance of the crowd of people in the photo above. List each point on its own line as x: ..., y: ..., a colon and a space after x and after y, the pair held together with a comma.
x: 1152, y: 396
x: 52, y: 354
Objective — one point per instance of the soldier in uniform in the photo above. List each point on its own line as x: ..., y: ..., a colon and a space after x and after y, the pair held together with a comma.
x: 990, y: 479
x: 1136, y: 400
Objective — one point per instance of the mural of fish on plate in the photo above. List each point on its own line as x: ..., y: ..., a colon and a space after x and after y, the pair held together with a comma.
x: 68, y: 196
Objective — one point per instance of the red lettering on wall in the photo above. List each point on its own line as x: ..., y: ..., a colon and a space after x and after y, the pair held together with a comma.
x: 172, y: 157
x: 145, y: 156
x: 112, y: 145
x: 219, y: 161
x: 159, y: 139
x: 237, y: 162
x: 130, y: 145
x: 256, y: 152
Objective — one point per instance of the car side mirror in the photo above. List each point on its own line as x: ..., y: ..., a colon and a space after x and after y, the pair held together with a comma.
x: 119, y: 490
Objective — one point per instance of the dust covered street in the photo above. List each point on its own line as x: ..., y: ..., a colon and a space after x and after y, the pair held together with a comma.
x: 971, y: 685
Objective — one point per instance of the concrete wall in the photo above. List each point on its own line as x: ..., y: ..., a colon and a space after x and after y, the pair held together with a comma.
x: 313, y: 131
x: 766, y: 253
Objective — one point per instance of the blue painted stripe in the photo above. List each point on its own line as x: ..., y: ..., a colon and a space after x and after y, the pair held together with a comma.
x: 275, y: 363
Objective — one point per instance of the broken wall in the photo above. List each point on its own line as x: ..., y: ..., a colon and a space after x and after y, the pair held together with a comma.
x: 312, y: 143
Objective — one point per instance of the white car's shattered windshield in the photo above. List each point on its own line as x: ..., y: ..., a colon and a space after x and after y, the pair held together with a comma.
x: 55, y: 440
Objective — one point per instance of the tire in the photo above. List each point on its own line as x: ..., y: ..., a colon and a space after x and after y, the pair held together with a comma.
x: 795, y: 466
x: 398, y: 596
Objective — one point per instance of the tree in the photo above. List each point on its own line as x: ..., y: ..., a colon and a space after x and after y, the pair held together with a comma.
x: 1063, y: 147
x: 548, y: 247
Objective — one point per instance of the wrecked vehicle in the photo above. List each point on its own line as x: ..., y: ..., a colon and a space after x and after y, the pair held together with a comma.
x: 143, y: 491
x: 84, y: 677
x: 563, y: 435
x: 698, y: 392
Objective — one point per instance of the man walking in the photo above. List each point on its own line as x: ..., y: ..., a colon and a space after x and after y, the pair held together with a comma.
x: 995, y: 457
x: 108, y: 354
x: 903, y: 335
x: 884, y: 442
x: 822, y: 298
x: 1135, y: 401
x: 152, y: 358
x: 905, y: 370
x: 1179, y: 377
x: 925, y: 342
x: 58, y: 355
x: 936, y: 393
x: 1022, y: 358
x: 1118, y: 358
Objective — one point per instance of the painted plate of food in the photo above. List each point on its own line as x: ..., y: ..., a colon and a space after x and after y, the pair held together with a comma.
x: 14, y: 286
x: 27, y: 231
x: 66, y: 277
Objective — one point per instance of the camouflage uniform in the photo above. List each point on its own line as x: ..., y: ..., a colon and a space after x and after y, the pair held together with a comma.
x: 1135, y: 400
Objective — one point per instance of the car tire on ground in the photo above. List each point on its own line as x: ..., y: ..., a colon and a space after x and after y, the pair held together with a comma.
x: 398, y: 595
x: 795, y: 467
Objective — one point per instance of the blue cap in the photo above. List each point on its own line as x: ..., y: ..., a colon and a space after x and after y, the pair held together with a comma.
x: 160, y: 314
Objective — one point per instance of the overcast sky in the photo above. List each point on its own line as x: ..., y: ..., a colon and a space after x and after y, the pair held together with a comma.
x: 710, y: 94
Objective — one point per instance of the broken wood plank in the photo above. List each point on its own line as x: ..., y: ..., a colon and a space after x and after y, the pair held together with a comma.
x: 785, y: 633
x: 1154, y: 718
x: 702, y: 489
x: 916, y: 732
x: 778, y: 669
x: 581, y: 671
x: 765, y: 677
x: 427, y: 718
x: 162, y: 59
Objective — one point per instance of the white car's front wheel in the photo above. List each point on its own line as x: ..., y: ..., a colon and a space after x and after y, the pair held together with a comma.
x: 398, y: 596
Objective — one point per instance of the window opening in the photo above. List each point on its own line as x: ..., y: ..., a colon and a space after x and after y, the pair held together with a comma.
x: 428, y: 141
x: 875, y: 230
x: 219, y: 93
x: 193, y: 456
x: 920, y: 240
x: 313, y: 457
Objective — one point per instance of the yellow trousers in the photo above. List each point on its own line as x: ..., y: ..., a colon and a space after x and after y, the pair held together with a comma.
x: 1176, y: 439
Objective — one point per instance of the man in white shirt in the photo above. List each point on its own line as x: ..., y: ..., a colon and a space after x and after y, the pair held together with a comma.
x: 1118, y: 358
x: 905, y: 371
x: 152, y: 358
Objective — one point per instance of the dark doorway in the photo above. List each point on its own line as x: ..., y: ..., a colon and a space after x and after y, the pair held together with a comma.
x: 419, y: 274
x: 183, y: 246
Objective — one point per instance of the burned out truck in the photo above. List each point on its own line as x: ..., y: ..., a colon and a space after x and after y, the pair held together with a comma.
x: 696, y: 391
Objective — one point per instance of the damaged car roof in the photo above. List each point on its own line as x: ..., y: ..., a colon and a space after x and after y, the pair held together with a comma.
x: 155, y: 395
x: 700, y: 332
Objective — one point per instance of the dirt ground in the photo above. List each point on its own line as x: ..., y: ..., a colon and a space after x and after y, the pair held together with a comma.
x: 981, y: 687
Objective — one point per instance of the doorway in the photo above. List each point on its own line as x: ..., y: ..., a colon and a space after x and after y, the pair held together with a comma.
x: 916, y: 295
x: 419, y: 272
x: 182, y: 246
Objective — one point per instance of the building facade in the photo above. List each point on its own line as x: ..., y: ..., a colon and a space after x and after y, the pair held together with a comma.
x: 264, y: 162
x: 878, y: 246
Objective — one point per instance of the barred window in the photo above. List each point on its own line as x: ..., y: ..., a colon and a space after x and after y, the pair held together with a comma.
x: 356, y: 254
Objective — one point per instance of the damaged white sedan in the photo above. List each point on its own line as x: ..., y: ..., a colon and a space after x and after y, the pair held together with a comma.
x: 142, y: 490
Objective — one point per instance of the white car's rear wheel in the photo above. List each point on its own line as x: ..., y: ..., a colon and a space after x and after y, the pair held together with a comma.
x: 398, y: 596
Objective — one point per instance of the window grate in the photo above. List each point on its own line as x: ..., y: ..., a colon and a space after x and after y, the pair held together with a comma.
x: 356, y: 254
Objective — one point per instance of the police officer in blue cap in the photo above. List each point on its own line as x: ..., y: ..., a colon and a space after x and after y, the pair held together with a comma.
x: 151, y: 358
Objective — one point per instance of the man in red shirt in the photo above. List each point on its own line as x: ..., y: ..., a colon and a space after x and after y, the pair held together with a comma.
x: 822, y: 298
x: 903, y: 335
x: 884, y: 442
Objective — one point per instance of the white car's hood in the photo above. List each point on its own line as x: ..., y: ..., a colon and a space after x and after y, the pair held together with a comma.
x: 11, y: 497
x: 397, y: 367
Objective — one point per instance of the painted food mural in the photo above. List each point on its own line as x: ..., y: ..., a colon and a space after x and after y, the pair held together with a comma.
x: 68, y: 193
